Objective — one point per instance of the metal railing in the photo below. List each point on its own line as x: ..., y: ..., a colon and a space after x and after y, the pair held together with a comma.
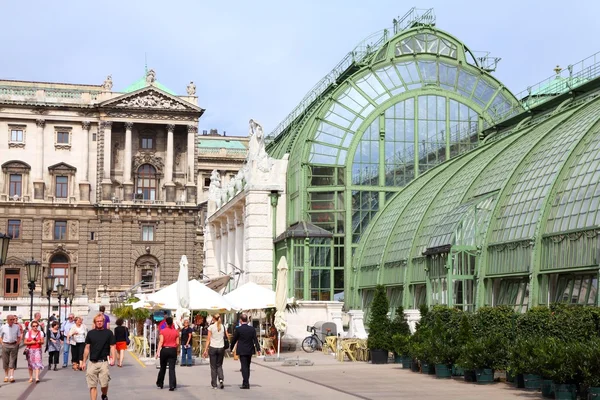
x: 361, y: 52
x: 563, y: 81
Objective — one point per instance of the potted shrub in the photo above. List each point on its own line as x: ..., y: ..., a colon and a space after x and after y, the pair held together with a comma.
x: 559, y: 365
x: 589, y: 366
x: 483, y: 355
x: 400, y: 333
x: 400, y: 348
x: 379, y: 340
x: 524, y: 363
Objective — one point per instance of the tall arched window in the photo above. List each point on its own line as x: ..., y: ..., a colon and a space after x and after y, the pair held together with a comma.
x: 146, y: 182
x: 59, y: 268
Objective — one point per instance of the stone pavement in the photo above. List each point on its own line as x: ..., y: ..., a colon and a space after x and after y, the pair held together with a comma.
x: 326, y: 378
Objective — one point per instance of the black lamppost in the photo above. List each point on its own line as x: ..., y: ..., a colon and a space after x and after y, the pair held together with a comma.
x: 4, y: 240
x: 66, y: 296
x: 33, y: 270
x: 71, y: 296
x: 49, y: 289
x: 59, y: 291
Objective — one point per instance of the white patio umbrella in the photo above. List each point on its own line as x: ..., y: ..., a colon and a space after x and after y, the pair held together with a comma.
x: 201, y: 298
x: 183, y: 290
x: 251, y: 296
x: 281, y: 300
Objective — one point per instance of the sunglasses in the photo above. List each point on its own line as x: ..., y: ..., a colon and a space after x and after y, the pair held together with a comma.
x: 34, y: 326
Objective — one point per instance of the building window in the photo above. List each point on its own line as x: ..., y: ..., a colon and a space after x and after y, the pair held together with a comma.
x: 207, y: 182
x: 59, y: 268
x: 147, y: 233
x: 16, y: 135
x: 9, y: 308
x: 60, y: 230
x: 62, y: 137
x: 147, y: 277
x: 146, y: 183
x: 16, y: 181
x: 14, y: 228
x: 94, y: 137
x: 12, y: 283
x: 62, y: 187
x: 147, y: 143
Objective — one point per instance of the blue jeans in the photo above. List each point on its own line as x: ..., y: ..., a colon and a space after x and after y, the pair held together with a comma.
x: 186, y: 355
x: 65, y: 349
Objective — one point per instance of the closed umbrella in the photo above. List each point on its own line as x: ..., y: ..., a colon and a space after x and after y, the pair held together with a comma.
x: 281, y: 299
x: 183, y: 290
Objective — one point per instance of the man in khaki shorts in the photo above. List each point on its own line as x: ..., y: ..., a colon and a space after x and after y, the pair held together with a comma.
x: 10, y: 337
x: 99, y: 344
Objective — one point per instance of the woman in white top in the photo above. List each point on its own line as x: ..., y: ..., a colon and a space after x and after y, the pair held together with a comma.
x: 76, y: 338
x: 216, y: 342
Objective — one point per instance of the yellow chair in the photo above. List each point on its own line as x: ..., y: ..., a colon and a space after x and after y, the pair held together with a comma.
x: 137, y: 344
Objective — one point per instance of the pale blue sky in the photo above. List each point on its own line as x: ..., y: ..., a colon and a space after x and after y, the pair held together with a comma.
x: 258, y: 59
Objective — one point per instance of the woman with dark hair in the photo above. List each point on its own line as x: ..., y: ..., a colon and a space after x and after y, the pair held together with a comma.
x: 121, y: 335
x: 34, y: 339
x: 54, y: 344
x: 167, y: 348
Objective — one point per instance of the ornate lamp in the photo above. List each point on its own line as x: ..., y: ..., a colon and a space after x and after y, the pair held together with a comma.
x: 49, y: 289
x: 4, y: 240
x: 71, y: 296
x: 59, y: 291
x: 66, y: 296
x: 33, y: 270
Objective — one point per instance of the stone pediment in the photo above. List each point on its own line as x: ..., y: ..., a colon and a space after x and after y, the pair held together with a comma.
x: 150, y: 98
x: 62, y: 167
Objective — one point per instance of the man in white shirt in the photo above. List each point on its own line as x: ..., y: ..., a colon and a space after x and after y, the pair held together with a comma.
x: 65, y: 328
x: 10, y: 337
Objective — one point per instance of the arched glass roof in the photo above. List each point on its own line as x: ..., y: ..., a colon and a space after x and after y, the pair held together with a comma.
x: 545, y: 176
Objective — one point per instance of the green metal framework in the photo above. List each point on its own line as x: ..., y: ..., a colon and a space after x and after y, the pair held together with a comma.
x: 514, y: 222
x: 390, y: 112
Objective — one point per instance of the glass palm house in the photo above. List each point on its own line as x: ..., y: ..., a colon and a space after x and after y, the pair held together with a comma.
x: 434, y: 180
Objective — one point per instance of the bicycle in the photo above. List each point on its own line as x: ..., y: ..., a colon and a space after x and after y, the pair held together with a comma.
x: 312, y: 342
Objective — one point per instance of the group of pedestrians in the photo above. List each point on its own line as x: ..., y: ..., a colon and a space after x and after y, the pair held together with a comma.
x: 97, y: 344
x: 244, y: 341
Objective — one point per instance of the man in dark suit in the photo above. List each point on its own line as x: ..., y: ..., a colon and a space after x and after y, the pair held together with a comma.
x: 247, y: 344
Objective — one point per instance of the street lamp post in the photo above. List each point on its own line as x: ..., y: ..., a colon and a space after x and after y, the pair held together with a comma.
x: 66, y: 296
x: 59, y: 291
x: 33, y: 270
x: 71, y: 296
x: 4, y: 240
x: 49, y: 288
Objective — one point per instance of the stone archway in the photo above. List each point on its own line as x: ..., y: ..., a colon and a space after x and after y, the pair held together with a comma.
x: 147, y: 271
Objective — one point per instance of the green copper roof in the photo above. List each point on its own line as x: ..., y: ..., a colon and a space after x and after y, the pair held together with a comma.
x: 141, y: 83
x: 221, y: 144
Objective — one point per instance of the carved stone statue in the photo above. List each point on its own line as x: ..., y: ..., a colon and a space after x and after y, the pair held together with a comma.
x: 108, y: 83
x: 214, y: 190
x: 191, y: 89
x: 150, y: 77
x: 256, y: 151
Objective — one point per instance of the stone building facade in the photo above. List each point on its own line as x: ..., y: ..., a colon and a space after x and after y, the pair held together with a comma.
x: 99, y: 186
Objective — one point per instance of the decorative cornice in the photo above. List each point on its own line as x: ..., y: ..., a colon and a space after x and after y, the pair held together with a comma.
x: 170, y: 127
x: 106, y: 124
x: 40, y: 123
x: 192, y: 128
x: 16, y: 145
x: 86, y: 125
x: 149, y: 115
x: 128, y: 126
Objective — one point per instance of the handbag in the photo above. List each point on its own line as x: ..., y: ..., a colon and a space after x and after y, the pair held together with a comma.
x: 226, y: 340
x: 127, y: 340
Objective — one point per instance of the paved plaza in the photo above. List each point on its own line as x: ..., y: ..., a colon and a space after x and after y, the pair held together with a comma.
x: 327, y: 378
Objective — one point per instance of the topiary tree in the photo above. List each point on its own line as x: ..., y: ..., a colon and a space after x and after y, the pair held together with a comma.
x: 399, y: 325
x: 379, y: 322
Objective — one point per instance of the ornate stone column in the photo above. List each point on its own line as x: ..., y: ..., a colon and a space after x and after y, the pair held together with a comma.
x: 84, y: 184
x: 127, y: 181
x: 169, y: 185
x: 38, y: 183
x: 190, y: 186
x: 106, y: 181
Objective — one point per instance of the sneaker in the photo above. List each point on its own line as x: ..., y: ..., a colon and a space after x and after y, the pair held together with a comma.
x: 221, y: 384
x: 64, y: 365
x: 104, y: 397
x: 214, y: 387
